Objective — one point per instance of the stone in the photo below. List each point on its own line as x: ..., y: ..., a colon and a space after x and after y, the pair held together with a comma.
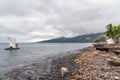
x: 117, y: 78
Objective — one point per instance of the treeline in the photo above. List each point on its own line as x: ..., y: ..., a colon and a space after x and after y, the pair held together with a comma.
x: 111, y: 32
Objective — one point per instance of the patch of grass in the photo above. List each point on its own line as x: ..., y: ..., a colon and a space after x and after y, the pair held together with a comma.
x: 75, y: 76
x: 76, y: 57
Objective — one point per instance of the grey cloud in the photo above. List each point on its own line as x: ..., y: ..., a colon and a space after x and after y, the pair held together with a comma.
x: 45, y: 19
x: 11, y: 7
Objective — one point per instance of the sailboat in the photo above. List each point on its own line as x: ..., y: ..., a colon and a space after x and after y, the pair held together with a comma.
x: 12, y: 44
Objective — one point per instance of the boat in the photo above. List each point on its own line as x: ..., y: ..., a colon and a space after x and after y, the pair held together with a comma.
x: 12, y: 44
x: 11, y: 48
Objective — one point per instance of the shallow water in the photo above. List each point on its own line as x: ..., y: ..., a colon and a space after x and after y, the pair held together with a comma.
x: 30, y: 53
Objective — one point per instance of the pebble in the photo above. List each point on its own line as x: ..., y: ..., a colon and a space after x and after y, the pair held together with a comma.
x: 117, y: 78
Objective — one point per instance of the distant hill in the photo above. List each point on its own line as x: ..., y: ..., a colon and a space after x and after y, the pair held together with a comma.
x: 87, y: 38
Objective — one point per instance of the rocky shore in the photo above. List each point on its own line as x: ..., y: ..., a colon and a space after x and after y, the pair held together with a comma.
x: 97, y: 65
x: 85, y: 64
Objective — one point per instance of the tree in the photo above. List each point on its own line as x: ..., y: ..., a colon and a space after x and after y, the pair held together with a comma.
x: 113, y: 32
x: 116, y: 31
x: 109, y: 33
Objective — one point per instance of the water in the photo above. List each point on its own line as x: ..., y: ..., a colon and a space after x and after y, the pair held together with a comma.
x: 29, y: 53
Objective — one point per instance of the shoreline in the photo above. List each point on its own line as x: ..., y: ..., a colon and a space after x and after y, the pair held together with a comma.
x: 83, y: 64
x: 97, y: 65
x: 51, y: 70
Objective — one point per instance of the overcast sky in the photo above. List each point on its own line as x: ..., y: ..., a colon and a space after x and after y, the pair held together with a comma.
x: 34, y: 20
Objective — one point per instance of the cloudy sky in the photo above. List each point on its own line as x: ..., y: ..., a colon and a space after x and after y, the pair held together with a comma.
x: 34, y: 20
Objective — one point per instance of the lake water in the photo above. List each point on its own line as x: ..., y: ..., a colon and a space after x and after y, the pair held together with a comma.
x: 29, y: 53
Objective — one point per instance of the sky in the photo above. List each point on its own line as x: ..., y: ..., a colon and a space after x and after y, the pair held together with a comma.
x: 36, y: 20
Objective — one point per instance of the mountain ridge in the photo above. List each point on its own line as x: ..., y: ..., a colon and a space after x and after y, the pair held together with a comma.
x: 86, y: 38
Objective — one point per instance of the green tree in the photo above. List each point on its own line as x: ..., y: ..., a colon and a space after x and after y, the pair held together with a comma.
x: 109, y: 33
x: 116, y: 31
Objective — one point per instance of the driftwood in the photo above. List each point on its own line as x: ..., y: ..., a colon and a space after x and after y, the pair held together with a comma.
x: 113, y: 63
x: 115, y: 48
x: 100, y: 47
x: 116, y: 51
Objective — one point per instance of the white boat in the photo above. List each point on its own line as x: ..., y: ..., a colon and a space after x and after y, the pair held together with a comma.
x: 12, y: 44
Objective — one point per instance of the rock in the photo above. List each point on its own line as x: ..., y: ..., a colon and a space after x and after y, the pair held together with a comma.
x: 117, y: 78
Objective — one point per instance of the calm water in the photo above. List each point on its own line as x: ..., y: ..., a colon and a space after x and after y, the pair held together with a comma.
x: 30, y: 53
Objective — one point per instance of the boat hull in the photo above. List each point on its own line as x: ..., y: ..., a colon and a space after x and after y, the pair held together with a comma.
x: 11, y: 48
